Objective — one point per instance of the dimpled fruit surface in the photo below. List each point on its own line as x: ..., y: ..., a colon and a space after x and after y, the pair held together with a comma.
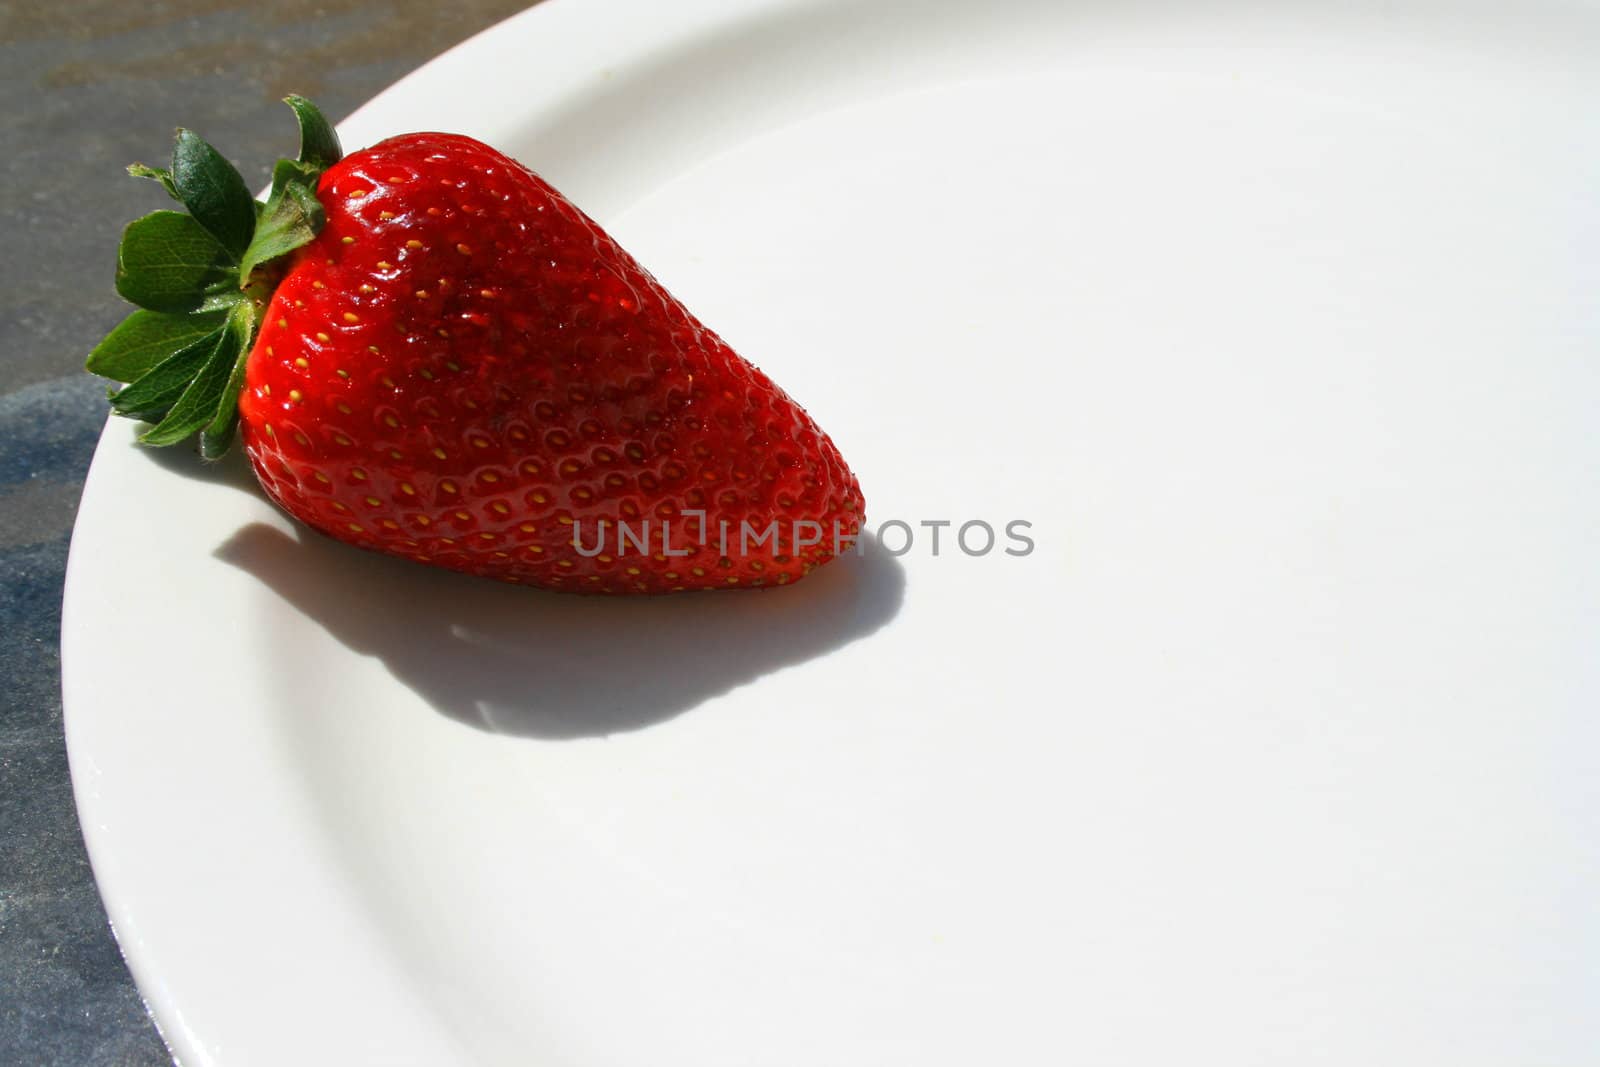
x: 465, y: 370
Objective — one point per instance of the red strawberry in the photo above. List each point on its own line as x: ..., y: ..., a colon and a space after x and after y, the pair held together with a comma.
x: 443, y: 359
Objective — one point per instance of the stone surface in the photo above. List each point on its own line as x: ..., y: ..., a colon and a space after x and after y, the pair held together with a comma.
x: 91, y: 86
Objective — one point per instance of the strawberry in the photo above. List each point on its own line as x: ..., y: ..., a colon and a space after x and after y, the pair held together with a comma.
x: 425, y: 350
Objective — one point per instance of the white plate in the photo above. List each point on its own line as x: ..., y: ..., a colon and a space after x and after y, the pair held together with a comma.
x: 1280, y: 325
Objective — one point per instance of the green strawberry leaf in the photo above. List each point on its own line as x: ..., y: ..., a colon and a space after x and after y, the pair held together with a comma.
x: 293, y: 216
x: 152, y: 396
x: 146, y: 338
x: 194, y: 277
x: 217, y: 435
x: 319, y: 144
x: 198, y: 405
x: 168, y: 262
x: 139, y: 170
x: 213, y: 191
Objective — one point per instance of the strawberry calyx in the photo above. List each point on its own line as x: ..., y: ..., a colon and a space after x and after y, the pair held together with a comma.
x: 201, y: 279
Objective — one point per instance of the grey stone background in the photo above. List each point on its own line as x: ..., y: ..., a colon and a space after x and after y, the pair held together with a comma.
x: 88, y: 87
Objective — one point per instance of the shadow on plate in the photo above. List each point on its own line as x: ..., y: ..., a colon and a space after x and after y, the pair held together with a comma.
x: 548, y: 665
x: 233, y: 469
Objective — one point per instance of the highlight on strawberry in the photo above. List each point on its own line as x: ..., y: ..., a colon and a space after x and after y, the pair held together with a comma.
x: 427, y: 351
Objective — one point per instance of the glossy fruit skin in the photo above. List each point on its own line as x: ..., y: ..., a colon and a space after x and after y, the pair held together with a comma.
x: 463, y: 369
